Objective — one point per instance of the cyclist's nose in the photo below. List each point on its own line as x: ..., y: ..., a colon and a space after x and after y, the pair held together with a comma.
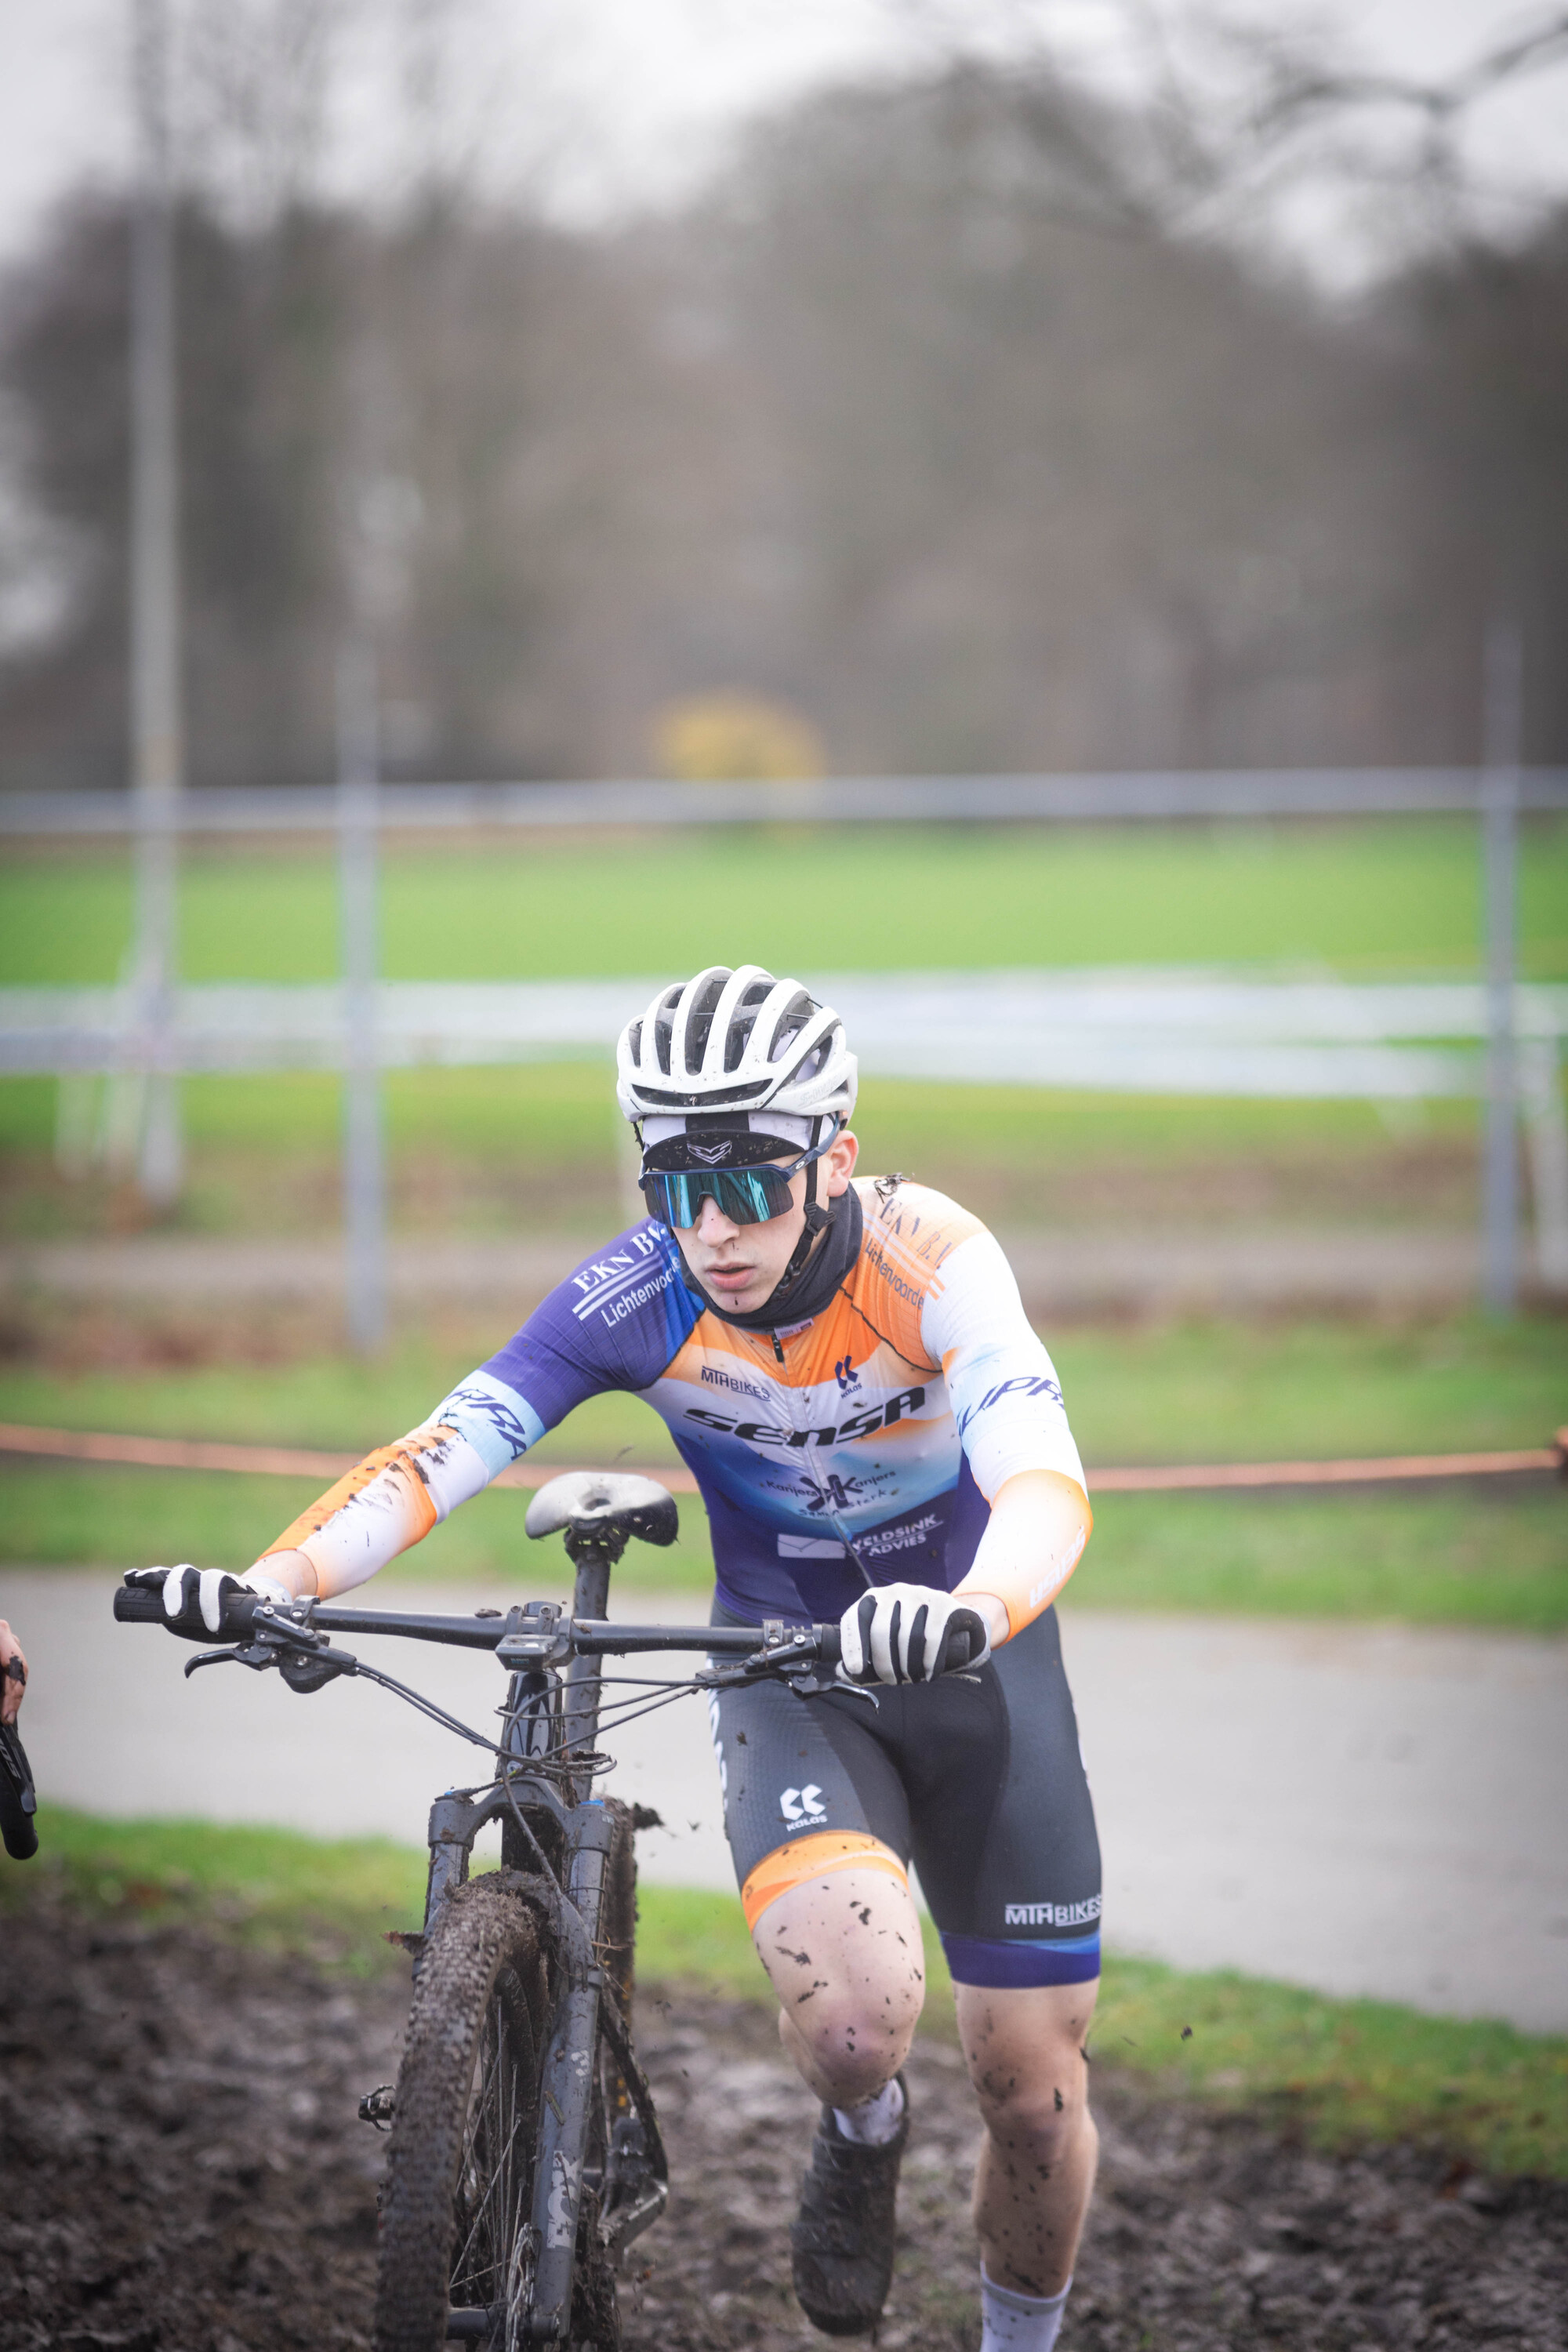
x: 713, y: 1227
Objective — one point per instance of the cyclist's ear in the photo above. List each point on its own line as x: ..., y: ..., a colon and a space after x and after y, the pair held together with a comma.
x: 838, y: 1162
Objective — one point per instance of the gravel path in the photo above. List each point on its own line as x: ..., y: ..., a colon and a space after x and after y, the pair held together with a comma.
x: 182, y: 2170
x: 1367, y: 1809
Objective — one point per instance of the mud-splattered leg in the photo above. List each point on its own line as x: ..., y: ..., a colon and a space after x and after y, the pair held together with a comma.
x: 845, y: 1956
x: 1024, y: 2054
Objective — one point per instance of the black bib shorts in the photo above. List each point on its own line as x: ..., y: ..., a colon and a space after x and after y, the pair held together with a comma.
x: 977, y: 1778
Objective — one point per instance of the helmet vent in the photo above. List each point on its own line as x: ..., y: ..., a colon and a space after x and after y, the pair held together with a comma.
x: 700, y: 1022
x: 743, y: 1021
x: 795, y: 1017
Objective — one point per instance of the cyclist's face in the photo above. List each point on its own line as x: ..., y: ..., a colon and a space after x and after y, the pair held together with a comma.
x: 742, y: 1265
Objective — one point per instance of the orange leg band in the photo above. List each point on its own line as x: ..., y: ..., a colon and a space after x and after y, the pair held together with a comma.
x: 812, y: 1857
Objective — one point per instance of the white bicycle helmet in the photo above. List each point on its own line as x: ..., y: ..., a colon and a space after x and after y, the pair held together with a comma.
x: 735, y: 1041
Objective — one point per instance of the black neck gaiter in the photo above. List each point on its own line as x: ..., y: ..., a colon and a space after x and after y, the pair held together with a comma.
x: 802, y: 1295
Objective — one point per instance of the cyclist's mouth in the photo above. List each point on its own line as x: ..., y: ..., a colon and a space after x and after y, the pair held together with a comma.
x: 728, y: 1275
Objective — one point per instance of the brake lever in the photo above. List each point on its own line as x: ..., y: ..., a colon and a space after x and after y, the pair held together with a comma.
x: 306, y: 1660
x: 776, y: 1657
x: 259, y: 1654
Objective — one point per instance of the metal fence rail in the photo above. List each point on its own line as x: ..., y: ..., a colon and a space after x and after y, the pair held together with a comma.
x: 1087, y: 798
x: 1126, y: 1031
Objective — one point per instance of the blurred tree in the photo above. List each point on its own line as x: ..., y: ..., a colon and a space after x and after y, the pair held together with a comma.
x: 1486, y: 356
x: 935, y: 416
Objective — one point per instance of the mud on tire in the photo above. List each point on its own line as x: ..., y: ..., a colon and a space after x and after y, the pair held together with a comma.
x: 459, y: 2187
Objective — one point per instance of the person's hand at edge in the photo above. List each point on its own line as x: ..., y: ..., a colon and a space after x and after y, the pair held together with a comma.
x: 14, y: 1670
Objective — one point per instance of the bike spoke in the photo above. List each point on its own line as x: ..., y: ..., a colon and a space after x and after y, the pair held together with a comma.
x: 495, y: 2127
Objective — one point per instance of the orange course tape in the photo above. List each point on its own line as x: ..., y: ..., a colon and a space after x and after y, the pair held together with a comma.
x: 297, y: 1461
x: 269, y: 1461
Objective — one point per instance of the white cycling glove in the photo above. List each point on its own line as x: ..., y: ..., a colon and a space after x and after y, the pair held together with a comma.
x: 899, y: 1633
x: 193, y: 1597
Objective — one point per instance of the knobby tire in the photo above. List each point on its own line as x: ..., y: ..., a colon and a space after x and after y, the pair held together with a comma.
x: 460, y: 2159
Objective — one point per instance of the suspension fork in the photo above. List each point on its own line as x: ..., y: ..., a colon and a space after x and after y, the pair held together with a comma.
x: 567, y: 2083
x: 567, y: 2091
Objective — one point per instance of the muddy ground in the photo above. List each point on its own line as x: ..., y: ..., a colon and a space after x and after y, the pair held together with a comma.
x: 182, y: 2170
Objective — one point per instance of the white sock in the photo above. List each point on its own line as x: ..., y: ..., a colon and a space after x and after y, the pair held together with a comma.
x: 877, y: 2119
x: 1018, y: 2322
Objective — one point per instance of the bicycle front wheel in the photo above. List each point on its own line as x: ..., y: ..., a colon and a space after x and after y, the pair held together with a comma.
x: 455, y: 2232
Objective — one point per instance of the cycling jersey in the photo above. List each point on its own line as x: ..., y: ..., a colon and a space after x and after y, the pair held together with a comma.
x: 863, y: 1446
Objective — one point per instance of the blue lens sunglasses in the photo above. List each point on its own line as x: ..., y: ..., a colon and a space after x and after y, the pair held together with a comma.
x: 747, y: 1196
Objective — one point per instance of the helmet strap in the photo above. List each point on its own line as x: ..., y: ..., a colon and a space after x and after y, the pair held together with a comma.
x: 817, y: 1219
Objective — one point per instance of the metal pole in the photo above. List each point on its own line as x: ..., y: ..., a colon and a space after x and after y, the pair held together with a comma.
x: 364, y: 1179
x: 1500, y: 828
x: 158, y: 749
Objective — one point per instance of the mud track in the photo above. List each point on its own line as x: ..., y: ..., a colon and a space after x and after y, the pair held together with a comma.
x: 182, y: 2170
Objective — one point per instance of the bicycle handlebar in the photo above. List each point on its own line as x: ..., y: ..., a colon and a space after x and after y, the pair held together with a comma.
x: 137, y: 1605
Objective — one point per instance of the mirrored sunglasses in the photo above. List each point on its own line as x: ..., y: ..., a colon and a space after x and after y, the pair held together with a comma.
x: 746, y: 1196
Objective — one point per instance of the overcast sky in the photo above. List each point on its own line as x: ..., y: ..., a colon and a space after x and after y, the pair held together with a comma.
x: 614, y: 100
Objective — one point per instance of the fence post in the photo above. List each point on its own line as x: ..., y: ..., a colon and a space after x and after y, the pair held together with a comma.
x: 364, y: 1178
x: 1500, y: 828
x: 155, y: 717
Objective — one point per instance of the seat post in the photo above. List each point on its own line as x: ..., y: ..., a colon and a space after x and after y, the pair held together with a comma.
x: 593, y: 1552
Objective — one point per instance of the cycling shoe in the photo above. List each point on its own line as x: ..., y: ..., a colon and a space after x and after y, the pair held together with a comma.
x: 841, y: 2242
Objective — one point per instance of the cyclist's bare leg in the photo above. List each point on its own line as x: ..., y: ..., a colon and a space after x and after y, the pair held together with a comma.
x: 846, y: 1959
x: 1025, y: 2053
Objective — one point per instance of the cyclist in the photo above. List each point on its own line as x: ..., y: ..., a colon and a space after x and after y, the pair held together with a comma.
x: 879, y: 1437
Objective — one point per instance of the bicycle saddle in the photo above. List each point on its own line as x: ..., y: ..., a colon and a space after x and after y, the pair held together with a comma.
x: 603, y: 1503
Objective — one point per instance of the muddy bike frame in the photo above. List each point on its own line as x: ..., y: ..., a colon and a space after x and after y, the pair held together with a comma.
x: 553, y: 1828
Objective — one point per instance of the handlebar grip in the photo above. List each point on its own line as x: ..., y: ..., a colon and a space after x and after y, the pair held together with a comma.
x: 829, y: 1644
x: 139, y: 1605
x: 966, y: 1639
x: 143, y: 1604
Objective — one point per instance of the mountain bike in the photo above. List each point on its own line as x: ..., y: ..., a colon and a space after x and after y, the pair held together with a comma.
x: 524, y: 2154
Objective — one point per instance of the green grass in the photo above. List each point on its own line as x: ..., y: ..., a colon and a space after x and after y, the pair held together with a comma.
x: 1211, y: 1391
x: 556, y: 1116
x: 1197, y: 1391
x: 1343, y: 2073
x: 330, y: 1901
x: 1386, y: 894
x: 1429, y: 1557
x: 535, y: 1150
x: 1215, y: 1391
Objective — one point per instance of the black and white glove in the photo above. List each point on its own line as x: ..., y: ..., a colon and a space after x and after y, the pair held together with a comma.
x: 909, y: 1633
x: 193, y: 1598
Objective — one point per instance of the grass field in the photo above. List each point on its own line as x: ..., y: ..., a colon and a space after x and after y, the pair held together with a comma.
x: 535, y: 1150
x: 1343, y: 2073
x: 1441, y: 1558
x: 1193, y: 1393
x: 485, y: 1147
x: 491, y: 1150
x: 1386, y: 895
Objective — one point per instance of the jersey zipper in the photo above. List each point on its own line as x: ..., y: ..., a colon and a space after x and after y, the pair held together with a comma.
x: 831, y: 1513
